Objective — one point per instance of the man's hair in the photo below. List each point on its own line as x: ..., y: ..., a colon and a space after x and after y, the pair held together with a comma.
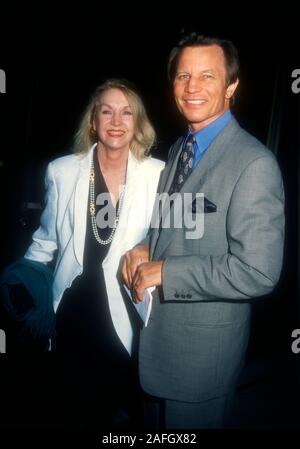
x: 198, y: 40
x: 144, y: 134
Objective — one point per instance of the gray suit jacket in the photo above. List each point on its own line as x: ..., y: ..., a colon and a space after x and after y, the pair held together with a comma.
x: 194, y: 344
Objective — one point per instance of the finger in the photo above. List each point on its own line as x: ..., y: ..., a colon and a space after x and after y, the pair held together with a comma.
x: 134, y: 271
x: 136, y: 295
x: 139, y: 294
x: 129, y: 269
x: 133, y: 264
x: 137, y: 278
x: 138, y: 286
x: 124, y: 271
x: 134, y: 287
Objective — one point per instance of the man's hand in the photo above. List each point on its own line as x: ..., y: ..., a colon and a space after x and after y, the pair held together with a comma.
x: 147, y: 275
x: 132, y: 260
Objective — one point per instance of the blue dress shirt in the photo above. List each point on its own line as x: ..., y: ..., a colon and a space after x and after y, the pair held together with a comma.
x: 205, y: 136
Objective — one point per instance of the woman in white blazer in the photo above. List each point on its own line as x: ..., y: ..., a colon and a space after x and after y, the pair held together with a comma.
x: 98, y: 205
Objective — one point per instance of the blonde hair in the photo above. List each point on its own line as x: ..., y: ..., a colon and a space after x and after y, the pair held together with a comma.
x: 144, y: 134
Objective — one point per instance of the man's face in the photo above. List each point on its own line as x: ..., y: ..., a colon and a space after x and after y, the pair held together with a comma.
x: 200, y: 86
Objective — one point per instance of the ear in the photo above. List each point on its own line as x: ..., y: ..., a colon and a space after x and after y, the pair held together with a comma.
x: 231, y: 89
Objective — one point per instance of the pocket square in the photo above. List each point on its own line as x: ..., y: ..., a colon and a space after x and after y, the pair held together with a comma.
x: 209, y: 206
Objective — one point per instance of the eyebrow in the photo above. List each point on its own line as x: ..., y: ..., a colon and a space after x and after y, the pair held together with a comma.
x: 202, y: 71
x: 109, y: 106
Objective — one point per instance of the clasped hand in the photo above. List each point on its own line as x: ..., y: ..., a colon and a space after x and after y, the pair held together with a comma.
x: 138, y: 273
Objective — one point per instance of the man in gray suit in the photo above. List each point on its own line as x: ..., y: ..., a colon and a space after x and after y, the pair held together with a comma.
x: 193, y: 348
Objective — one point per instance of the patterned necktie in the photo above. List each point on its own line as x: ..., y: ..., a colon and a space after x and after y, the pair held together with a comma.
x: 185, y: 165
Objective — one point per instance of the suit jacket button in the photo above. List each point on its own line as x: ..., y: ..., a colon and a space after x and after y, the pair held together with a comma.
x: 182, y: 296
x: 176, y: 295
x: 188, y: 296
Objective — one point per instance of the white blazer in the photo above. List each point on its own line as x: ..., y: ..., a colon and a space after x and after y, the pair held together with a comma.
x: 63, y: 226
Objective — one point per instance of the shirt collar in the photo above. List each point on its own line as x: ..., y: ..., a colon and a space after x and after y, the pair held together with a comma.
x: 205, y: 136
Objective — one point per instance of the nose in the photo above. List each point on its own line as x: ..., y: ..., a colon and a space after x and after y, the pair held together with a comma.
x: 193, y: 85
x: 116, y: 119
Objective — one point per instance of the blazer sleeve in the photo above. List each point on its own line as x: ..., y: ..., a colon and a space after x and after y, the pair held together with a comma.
x: 255, y: 235
x: 44, y: 239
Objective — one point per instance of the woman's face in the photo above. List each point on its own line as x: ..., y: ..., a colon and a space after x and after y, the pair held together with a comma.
x: 114, y: 122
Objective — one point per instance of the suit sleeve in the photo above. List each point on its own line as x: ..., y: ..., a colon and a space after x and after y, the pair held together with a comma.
x: 255, y: 235
x: 44, y: 239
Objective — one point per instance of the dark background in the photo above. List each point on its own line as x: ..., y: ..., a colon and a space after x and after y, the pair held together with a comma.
x: 53, y: 61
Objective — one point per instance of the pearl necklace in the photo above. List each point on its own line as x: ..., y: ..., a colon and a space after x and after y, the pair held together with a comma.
x: 93, y: 210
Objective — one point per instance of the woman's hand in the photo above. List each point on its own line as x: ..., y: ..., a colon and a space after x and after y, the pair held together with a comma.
x: 132, y: 260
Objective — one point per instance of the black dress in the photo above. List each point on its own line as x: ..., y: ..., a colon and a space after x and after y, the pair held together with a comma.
x: 99, y: 375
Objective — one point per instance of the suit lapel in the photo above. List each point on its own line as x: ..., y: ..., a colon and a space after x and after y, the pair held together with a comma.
x: 80, y: 204
x: 172, y: 165
x: 167, y: 178
x: 197, y: 178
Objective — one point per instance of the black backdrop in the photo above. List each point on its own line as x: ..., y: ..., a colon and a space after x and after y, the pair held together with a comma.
x: 53, y: 60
